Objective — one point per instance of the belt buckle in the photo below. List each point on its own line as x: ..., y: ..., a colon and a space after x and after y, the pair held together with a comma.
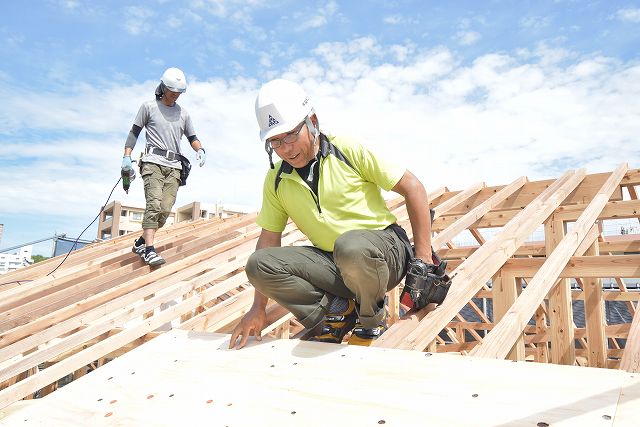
x: 171, y: 155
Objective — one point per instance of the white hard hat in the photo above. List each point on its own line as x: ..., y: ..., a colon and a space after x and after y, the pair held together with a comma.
x: 174, y: 80
x: 280, y: 106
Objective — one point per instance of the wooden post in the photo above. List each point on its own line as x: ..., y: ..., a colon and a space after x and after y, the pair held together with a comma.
x: 631, y: 356
x: 594, y: 317
x: 563, y: 350
x: 505, y: 294
x: 541, y: 328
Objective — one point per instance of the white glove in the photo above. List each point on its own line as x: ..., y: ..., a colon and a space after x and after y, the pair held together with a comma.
x: 201, y: 156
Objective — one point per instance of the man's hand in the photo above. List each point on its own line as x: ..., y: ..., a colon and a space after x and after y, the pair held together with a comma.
x: 201, y: 156
x: 252, y: 322
x: 126, y: 164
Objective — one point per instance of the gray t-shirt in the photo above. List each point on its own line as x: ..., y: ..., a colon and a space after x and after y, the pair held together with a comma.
x: 164, y: 129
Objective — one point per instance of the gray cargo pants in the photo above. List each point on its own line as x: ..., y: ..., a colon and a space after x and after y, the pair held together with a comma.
x: 364, y: 265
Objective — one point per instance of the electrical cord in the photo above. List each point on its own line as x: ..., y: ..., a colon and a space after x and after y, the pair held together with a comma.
x: 77, y: 239
x: 87, y: 227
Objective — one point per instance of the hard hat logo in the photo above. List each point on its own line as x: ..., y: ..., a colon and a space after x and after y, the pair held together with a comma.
x: 272, y: 121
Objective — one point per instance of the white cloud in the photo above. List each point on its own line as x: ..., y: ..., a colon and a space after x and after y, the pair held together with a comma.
x: 137, y: 19
x: 467, y: 38
x: 70, y: 4
x: 535, y: 22
x: 628, y: 15
x: 320, y: 16
x: 174, y: 22
x: 399, y: 20
x: 499, y: 117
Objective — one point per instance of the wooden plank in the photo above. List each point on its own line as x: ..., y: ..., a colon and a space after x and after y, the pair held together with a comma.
x: 179, y: 376
x: 560, y: 307
x: 569, y: 212
x: 505, y: 294
x: 476, y: 213
x: 458, y: 198
x: 73, y: 363
x: 500, y: 340
x: 419, y: 329
x: 631, y: 357
x: 594, y: 317
x: 629, y: 244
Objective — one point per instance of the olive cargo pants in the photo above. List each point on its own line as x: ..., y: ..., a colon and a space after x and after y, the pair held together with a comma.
x: 160, y: 190
x: 364, y: 265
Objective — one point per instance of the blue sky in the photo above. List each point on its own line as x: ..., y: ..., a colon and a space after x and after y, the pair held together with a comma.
x: 460, y: 92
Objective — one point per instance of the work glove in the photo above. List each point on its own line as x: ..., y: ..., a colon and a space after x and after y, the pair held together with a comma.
x: 126, y: 164
x: 201, y: 156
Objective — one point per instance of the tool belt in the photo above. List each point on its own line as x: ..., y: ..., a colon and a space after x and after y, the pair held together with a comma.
x: 171, y: 156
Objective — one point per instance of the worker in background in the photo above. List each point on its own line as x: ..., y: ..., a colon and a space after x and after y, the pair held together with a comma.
x: 163, y: 167
x: 330, y: 188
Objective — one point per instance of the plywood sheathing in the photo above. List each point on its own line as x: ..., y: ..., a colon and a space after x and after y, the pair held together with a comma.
x: 184, y: 378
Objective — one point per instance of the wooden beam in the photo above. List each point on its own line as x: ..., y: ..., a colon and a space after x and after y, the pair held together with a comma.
x: 458, y: 198
x: 581, y: 266
x: 500, y: 340
x: 594, y: 317
x: 560, y: 307
x: 476, y: 213
x: 505, y: 294
x: 631, y: 357
x: 418, y: 330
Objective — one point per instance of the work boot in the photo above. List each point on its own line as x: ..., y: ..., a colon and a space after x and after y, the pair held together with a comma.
x: 365, y: 336
x: 138, y: 248
x: 338, y: 322
x: 152, y: 258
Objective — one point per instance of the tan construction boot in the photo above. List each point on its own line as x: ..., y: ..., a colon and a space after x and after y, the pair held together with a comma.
x: 338, y: 322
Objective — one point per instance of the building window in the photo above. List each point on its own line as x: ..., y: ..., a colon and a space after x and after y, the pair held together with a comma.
x: 123, y: 212
x: 136, y: 216
x: 121, y: 232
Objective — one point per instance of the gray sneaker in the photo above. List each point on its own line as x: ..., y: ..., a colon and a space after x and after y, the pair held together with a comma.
x: 138, y: 249
x: 153, y: 259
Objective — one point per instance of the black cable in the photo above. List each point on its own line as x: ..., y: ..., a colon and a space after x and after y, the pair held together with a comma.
x: 87, y: 227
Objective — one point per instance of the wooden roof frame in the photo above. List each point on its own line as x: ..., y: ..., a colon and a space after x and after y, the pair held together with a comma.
x: 103, y: 300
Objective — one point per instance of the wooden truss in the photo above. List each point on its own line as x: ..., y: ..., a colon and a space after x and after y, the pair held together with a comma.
x: 57, y: 322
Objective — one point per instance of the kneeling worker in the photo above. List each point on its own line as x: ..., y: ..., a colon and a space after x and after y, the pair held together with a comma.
x: 330, y: 188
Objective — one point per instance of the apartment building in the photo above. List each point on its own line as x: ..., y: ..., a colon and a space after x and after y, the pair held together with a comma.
x: 117, y: 219
x: 12, y: 262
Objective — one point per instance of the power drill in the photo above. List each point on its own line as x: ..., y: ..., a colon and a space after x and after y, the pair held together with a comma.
x: 127, y: 178
x: 426, y: 283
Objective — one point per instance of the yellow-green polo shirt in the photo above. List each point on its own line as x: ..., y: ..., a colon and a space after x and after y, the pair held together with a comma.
x: 349, y: 196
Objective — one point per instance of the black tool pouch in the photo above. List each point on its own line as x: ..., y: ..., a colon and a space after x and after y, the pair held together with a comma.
x: 184, y: 172
x: 426, y: 283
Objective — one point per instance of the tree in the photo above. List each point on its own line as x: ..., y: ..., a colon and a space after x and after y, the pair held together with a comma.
x: 38, y: 258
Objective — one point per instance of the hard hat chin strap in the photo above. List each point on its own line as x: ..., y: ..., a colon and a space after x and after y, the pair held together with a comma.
x: 312, y: 128
x: 269, y: 150
x: 160, y: 91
